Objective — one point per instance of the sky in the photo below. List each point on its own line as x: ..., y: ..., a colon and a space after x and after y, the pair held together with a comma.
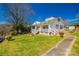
x: 46, y: 10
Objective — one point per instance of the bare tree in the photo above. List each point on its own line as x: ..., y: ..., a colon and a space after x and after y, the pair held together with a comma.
x: 18, y: 15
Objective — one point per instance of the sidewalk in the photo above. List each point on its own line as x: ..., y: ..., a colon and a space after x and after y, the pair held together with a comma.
x: 63, y: 47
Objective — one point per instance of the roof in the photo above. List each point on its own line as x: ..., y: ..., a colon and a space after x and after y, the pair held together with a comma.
x: 36, y: 22
x: 48, y: 20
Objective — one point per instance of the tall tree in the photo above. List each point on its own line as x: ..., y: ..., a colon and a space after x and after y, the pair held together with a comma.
x: 18, y: 15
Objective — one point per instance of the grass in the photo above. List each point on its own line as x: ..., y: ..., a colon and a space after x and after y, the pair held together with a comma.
x: 75, y: 49
x: 25, y: 45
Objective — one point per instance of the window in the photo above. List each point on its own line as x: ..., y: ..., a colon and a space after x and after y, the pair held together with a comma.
x: 33, y: 27
x: 37, y: 28
x: 45, y: 27
x: 61, y: 27
x: 57, y: 26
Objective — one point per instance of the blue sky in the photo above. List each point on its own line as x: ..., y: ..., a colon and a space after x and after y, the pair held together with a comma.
x: 45, y: 10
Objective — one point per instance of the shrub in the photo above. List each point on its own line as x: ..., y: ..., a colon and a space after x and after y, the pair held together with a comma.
x: 10, y: 38
x: 61, y: 34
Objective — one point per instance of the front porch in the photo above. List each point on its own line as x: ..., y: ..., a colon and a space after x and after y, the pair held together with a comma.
x: 41, y: 29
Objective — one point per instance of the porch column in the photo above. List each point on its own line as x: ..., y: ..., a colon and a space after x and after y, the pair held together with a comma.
x: 40, y: 29
x: 48, y: 29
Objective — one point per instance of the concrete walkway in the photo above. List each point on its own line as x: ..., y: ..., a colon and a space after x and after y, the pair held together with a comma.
x: 62, y: 48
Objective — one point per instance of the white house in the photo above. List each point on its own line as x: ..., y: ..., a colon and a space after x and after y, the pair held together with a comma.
x: 50, y: 26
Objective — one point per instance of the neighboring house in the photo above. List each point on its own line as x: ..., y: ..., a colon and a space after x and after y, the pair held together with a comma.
x: 77, y: 27
x: 71, y: 28
x: 50, y: 26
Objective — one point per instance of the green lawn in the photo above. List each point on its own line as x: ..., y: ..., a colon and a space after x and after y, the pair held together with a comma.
x: 25, y: 45
x: 75, y: 49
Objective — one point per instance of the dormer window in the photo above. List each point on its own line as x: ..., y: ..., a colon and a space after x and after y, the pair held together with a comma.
x: 59, y: 19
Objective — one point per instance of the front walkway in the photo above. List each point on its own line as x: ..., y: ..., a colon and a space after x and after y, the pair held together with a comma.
x: 62, y: 48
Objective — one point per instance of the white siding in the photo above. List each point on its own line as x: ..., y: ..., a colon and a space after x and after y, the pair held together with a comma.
x: 52, y: 28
